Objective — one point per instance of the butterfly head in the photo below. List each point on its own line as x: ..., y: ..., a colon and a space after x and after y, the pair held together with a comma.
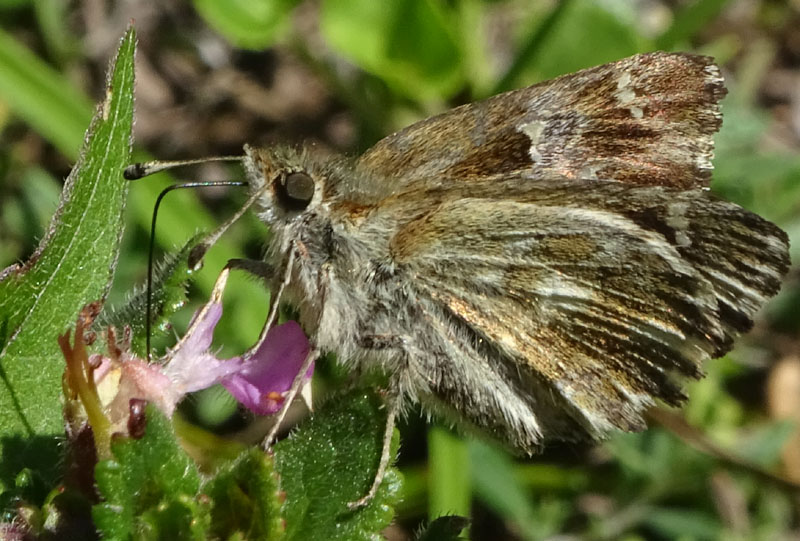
x: 290, y: 185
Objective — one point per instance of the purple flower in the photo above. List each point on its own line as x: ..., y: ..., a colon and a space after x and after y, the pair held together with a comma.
x: 259, y: 379
x: 106, y: 385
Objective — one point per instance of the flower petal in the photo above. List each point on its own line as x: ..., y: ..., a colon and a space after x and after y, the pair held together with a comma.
x: 191, y: 366
x: 269, y: 372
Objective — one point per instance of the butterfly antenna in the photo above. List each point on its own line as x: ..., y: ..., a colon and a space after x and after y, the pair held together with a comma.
x: 135, y: 171
x: 138, y: 170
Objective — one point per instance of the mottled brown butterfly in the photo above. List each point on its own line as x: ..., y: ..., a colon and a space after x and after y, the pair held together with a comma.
x: 542, y: 265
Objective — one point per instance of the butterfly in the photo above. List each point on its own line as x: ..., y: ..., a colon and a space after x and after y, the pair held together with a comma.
x: 542, y: 265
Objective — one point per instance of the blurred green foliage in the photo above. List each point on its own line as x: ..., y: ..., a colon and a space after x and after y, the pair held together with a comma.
x: 417, y: 57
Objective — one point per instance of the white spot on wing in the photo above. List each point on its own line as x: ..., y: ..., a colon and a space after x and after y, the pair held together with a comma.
x: 625, y: 93
x: 626, y: 96
x: 534, y: 130
x: 676, y: 219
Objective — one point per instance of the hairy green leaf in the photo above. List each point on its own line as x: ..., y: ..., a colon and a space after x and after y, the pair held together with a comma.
x: 246, y: 498
x: 168, y: 295
x: 329, y: 462
x: 447, y: 528
x: 46, y: 99
x: 150, y: 487
x: 72, y: 266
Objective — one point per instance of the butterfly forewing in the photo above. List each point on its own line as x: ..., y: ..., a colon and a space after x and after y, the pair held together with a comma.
x: 645, y: 120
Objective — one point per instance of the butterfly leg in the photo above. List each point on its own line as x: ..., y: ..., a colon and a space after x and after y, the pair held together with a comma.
x: 276, y: 298
x: 297, y: 385
x: 393, y: 404
x: 372, y: 341
x: 257, y: 268
x: 260, y: 269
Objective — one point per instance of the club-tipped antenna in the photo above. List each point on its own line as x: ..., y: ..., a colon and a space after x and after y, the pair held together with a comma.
x: 138, y: 170
x: 197, y: 252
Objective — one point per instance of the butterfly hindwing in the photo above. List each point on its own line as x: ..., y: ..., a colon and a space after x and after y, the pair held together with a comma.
x: 599, y: 295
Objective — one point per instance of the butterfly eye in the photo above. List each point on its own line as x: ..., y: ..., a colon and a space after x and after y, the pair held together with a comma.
x: 295, y: 191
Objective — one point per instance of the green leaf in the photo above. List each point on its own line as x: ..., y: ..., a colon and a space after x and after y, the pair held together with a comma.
x: 246, y: 498
x: 531, y: 47
x: 13, y: 4
x: 250, y: 24
x: 62, y: 43
x: 762, y: 181
x: 410, y: 44
x: 683, y: 523
x: 72, y: 266
x: 150, y: 488
x: 330, y: 461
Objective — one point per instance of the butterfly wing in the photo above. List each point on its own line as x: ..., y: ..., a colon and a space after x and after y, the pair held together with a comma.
x: 572, y: 305
x: 646, y: 120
